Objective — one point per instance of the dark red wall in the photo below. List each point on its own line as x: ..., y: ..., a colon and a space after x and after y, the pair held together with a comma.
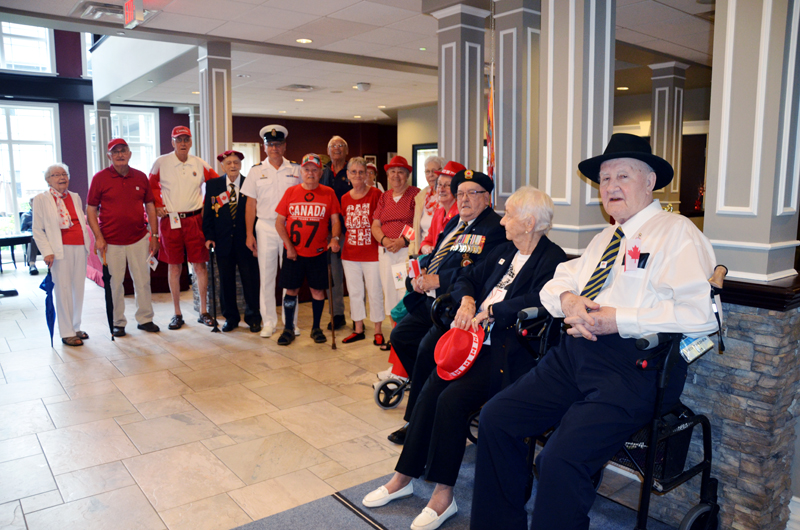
x: 69, y: 62
x: 167, y: 120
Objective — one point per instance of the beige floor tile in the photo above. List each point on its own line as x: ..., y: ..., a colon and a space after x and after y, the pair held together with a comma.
x: 168, y: 431
x: 148, y: 363
x: 93, y: 481
x: 186, y: 350
x: 382, y: 438
x: 180, y: 370
x: 19, y: 448
x: 164, y: 407
x: 27, y: 374
x: 93, y: 408
x: 204, y: 363
x: 41, y: 501
x: 11, y: 517
x: 297, y: 392
x: 220, y: 441
x: 359, y: 452
x: 341, y: 400
x: 98, y: 348
x: 252, y: 428
x: 280, y: 494
x: 283, y: 375
x: 57, y: 399
x: 180, y: 475
x: 259, y: 360
x: 24, y: 477
x: 129, y: 418
x: 122, y: 509
x: 229, y: 403
x: 345, y: 377
x: 29, y: 359
x: 85, y: 445
x: 362, y: 474
x: 371, y: 413
x: 322, y: 424
x: 258, y: 383
x: 10, y: 329
x: 215, y: 377
x: 151, y: 386
x: 273, y: 456
x: 138, y: 348
x: 328, y: 469
x: 24, y: 418
x: 29, y: 390
x: 80, y: 372
x: 215, y: 513
x: 304, y: 351
x: 91, y: 389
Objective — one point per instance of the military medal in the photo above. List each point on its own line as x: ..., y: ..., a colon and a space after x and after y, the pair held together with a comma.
x: 466, y: 261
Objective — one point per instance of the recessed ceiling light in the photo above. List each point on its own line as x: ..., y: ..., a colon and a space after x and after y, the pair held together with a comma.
x: 381, y: 106
x: 336, y: 91
x: 423, y: 49
x: 242, y: 75
x: 305, y: 41
x: 298, y: 99
x: 622, y: 88
x: 121, y: 33
x: 356, y: 116
x: 195, y: 92
x: 281, y: 112
x: 355, y: 86
x: 149, y: 80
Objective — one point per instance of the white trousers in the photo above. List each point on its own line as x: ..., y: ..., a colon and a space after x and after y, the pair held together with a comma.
x: 386, y: 259
x: 69, y: 277
x: 133, y: 256
x: 270, y: 257
x: 360, y: 274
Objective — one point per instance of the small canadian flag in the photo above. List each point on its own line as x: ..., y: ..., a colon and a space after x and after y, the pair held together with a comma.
x: 413, y: 268
x: 408, y: 233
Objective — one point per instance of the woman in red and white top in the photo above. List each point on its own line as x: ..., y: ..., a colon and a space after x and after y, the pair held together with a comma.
x: 426, y: 202
x: 394, y: 212
x: 360, y: 252
x: 59, y: 229
x: 447, y: 206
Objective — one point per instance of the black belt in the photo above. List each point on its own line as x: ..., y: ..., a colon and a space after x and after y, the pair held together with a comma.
x: 184, y: 215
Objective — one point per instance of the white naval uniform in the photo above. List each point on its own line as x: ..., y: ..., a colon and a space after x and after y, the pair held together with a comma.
x: 267, y: 185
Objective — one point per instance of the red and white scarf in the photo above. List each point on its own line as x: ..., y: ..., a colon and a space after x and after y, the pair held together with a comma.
x: 431, y: 201
x: 64, y: 220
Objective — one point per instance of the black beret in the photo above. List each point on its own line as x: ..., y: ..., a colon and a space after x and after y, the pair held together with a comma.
x: 467, y: 175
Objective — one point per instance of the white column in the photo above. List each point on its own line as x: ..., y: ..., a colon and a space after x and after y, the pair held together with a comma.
x: 666, y: 136
x: 216, y: 118
x: 102, y: 122
x: 194, y: 126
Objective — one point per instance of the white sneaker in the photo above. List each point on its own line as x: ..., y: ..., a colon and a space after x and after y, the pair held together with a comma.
x: 297, y: 331
x: 387, y: 374
x: 267, y: 330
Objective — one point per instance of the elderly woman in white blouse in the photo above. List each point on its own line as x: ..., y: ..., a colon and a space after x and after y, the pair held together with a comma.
x: 426, y: 202
x: 59, y: 229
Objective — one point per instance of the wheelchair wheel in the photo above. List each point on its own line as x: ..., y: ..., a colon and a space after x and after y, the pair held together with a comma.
x: 700, y: 518
x: 388, y: 394
x: 472, y: 433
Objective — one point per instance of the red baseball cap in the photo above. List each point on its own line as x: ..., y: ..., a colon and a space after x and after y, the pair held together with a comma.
x: 115, y: 142
x: 181, y: 131
x: 229, y: 152
x: 373, y: 166
x: 456, y: 352
x: 313, y: 159
x: 450, y: 169
x: 398, y: 161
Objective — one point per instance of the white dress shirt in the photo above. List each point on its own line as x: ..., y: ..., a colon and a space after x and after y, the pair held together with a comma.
x: 670, y: 294
x: 267, y: 185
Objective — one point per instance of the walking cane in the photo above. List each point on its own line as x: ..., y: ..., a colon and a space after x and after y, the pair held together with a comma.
x: 213, y: 281
x: 330, y: 303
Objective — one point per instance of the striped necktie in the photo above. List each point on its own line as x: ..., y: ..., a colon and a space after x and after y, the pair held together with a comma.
x: 433, y: 266
x: 232, y: 203
x: 603, y: 268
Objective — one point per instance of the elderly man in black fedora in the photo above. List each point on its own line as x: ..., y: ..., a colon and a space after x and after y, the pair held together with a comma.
x: 644, y: 274
x: 225, y: 229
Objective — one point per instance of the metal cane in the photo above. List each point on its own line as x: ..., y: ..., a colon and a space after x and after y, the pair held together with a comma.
x: 330, y: 303
x: 213, y: 281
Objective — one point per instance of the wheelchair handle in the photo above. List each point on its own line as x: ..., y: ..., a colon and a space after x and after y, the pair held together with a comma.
x: 443, y: 304
x: 718, y: 277
x: 529, y: 313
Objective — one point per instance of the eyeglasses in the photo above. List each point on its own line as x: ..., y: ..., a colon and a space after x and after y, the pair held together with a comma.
x: 182, y: 140
x: 336, y: 146
x: 274, y: 144
x: 119, y: 151
x: 443, y: 186
x: 58, y: 175
x: 471, y: 194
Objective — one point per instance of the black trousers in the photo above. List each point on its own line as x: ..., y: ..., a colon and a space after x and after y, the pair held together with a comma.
x: 437, y: 433
x: 600, y: 398
x: 248, y: 270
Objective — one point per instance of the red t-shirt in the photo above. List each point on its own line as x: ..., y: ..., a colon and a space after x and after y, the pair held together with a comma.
x: 359, y: 245
x: 120, y: 202
x: 395, y: 215
x: 307, y: 213
x: 74, y: 234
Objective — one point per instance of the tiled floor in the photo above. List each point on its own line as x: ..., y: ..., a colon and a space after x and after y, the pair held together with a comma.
x: 181, y: 429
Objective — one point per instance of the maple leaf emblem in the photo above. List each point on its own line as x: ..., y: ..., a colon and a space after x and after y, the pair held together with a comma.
x: 634, y: 252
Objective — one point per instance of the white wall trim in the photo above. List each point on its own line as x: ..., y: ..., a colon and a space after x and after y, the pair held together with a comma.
x: 761, y: 95
x: 514, y: 133
x: 760, y: 247
x: 671, y: 76
x: 458, y: 9
x: 727, y: 86
x: 669, y: 64
x: 457, y: 26
x: 677, y: 139
x: 548, y: 154
x: 528, y: 120
x: 794, y: 509
x: 204, y: 57
x: 753, y: 277
x: 478, y: 95
x: 518, y: 10
x: 783, y: 171
x: 570, y: 103
x: 580, y: 228
x: 445, y: 48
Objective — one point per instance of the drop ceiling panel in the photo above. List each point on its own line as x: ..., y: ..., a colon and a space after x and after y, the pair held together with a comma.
x: 219, y: 9
x: 632, y: 37
x: 276, y: 18
x: 312, y: 7
x: 634, y: 15
x: 237, y: 30
x: 184, y: 23
x: 289, y: 38
x: 334, y: 27
x: 372, y: 13
x: 688, y: 6
x: 422, y: 24
x: 354, y: 47
x: 386, y: 36
x: 676, y: 27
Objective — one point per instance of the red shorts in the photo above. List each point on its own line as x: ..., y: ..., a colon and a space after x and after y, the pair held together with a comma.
x: 188, y: 237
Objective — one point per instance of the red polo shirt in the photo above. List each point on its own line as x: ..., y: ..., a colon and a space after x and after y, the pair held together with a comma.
x: 120, y: 202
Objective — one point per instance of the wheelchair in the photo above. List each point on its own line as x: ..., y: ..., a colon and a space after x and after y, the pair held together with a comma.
x: 658, y: 451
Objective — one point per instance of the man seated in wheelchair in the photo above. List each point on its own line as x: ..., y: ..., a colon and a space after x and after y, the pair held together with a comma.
x: 491, y: 293
x: 646, y: 273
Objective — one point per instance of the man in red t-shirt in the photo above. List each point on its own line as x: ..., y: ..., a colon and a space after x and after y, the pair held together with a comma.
x: 302, y: 224
x: 118, y: 197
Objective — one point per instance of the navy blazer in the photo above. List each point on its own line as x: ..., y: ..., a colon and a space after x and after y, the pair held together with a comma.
x: 509, y: 358
x: 218, y: 226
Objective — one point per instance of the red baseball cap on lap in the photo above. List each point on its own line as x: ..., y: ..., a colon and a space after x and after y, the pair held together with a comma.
x: 181, y: 131
x: 115, y: 142
x: 456, y: 352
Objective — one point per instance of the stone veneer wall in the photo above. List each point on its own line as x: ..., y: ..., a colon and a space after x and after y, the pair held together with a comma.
x: 196, y: 296
x: 749, y: 394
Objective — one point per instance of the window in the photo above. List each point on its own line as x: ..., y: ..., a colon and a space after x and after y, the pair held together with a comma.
x: 251, y: 152
x: 28, y: 145
x: 88, y: 42
x: 138, y: 126
x: 26, y: 49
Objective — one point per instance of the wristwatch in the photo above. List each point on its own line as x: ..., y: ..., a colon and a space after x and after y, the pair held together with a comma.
x: 335, y: 237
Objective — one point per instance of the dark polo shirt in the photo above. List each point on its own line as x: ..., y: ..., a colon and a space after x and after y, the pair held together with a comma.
x: 120, y: 202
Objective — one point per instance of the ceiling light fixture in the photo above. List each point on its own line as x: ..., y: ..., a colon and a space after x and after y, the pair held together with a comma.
x: 381, y: 106
x: 305, y: 41
x: 281, y: 112
x: 355, y: 86
x: 299, y: 99
x: 195, y: 92
x: 622, y: 88
x: 242, y: 75
x: 423, y: 49
x: 356, y: 117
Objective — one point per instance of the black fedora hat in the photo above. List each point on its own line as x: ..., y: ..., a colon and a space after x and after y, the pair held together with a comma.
x: 622, y: 145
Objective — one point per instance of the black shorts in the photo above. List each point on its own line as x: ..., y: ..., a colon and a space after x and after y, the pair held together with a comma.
x: 314, y: 269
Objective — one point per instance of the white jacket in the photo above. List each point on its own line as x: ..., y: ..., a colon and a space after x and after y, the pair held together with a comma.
x: 47, y: 227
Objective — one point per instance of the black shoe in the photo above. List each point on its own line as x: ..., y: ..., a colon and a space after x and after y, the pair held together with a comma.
x: 118, y: 331
x: 34, y: 270
x: 338, y: 321
x: 149, y: 327
x: 230, y: 326
x: 286, y: 338
x: 176, y: 322
x: 318, y: 336
x: 353, y: 337
x: 399, y: 436
x: 255, y: 328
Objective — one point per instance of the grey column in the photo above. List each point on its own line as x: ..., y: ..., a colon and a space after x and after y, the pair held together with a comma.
x: 461, y: 83
x: 216, y: 118
x: 194, y: 126
x: 666, y: 129
x: 576, y: 95
x: 751, y: 202
x: 102, y: 122
x: 516, y: 46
